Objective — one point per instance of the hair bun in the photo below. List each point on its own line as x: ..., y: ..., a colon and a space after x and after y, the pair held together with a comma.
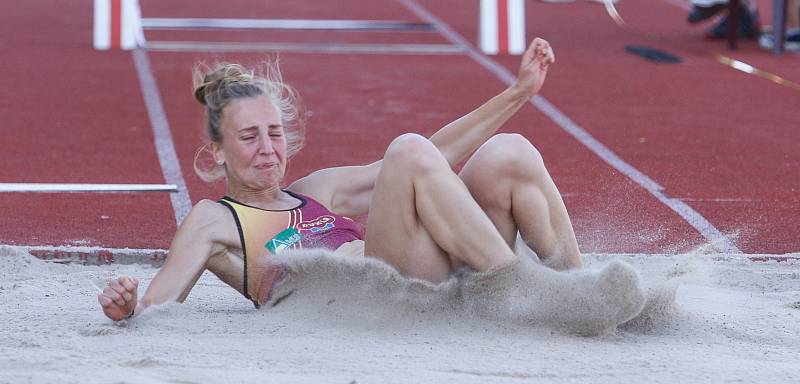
x: 219, y: 77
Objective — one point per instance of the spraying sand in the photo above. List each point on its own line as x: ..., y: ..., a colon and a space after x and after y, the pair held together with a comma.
x: 703, y: 321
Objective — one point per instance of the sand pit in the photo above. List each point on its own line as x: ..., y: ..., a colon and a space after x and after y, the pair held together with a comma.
x: 710, y: 318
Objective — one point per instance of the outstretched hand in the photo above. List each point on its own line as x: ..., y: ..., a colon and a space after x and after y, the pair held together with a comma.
x: 119, y: 298
x: 533, y: 69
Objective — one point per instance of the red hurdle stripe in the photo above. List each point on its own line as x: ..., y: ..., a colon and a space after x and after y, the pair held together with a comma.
x: 116, y: 24
x: 502, y: 26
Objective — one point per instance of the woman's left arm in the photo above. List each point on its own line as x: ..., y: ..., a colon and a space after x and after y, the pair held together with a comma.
x: 461, y: 137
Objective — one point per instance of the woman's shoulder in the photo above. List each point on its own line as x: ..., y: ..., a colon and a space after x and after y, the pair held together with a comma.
x: 206, y: 207
x: 208, y: 215
x: 210, y: 221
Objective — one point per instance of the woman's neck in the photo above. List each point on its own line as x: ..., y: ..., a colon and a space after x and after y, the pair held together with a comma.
x: 271, y: 198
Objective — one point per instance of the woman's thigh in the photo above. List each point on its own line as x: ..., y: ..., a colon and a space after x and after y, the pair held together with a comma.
x: 395, y: 232
x: 504, y: 163
x: 508, y: 179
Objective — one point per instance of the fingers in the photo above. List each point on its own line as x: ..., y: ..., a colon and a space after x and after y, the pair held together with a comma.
x: 120, y: 291
x: 130, y: 283
x: 543, y: 52
x: 105, y: 302
x: 539, y: 52
x: 550, y: 55
x: 529, y: 54
x: 111, y: 297
x: 547, y: 55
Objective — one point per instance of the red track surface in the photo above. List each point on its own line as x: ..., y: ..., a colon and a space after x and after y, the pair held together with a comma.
x: 723, y: 141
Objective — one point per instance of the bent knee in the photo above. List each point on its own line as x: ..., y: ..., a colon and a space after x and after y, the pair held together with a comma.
x: 409, y: 142
x: 509, y: 155
x: 415, y: 152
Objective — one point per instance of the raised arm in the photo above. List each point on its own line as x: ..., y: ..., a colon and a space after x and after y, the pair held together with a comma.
x: 192, y: 246
x: 463, y: 136
x: 348, y: 190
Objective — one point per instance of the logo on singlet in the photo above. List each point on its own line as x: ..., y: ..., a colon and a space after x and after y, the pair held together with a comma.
x: 318, y: 225
x: 283, y: 240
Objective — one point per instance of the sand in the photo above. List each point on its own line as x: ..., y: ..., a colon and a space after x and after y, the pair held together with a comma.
x: 708, y: 318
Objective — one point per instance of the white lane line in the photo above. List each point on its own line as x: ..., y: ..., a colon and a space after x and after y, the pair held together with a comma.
x: 50, y: 187
x: 694, y: 218
x: 207, y: 46
x: 304, y: 24
x: 167, y: 157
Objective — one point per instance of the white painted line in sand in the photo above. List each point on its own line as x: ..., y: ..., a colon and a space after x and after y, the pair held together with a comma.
x: 694, y: 218
x: 167, y: 157
x: 207, y: 46
x: 50, y: 187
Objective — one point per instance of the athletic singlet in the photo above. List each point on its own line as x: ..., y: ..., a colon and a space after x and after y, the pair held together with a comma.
x: 310, y: 225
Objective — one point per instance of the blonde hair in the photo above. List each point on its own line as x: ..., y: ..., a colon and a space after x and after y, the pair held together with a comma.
x: 216, y: 86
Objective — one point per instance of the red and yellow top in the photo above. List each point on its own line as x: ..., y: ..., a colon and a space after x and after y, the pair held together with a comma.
x: 309, y: 225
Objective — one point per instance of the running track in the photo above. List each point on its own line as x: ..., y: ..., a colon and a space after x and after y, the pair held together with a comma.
x: 675, y: 152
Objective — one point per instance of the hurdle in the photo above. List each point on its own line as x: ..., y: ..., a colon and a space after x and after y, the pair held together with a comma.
x: 502, y: 27
x: 118, y: 24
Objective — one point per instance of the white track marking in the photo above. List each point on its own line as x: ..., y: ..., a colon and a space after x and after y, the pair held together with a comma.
x: 201, y: 46
x: 167, y: 157
x: 694, y: 218
x: 48, y: 187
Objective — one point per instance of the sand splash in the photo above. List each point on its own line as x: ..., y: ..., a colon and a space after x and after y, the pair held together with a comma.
x: 590, y: 302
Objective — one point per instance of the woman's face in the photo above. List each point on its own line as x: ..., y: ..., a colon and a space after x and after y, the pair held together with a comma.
x: 253, y: 143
